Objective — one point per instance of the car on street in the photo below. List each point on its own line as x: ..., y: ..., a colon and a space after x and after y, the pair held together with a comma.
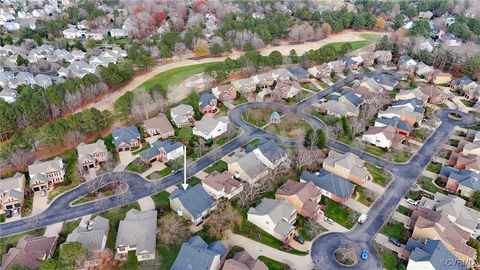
x: 394, y: 241
x: 364, y: 254
x: 299, y: 239
x: 328, y: 220
x: 412, y: 201
x: 302, y: 100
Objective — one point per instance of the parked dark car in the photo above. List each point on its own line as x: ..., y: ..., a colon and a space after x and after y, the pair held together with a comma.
x: 394, y: 241
x: 299, y: 239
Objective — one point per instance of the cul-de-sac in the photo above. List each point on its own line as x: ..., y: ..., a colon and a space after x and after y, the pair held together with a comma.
x: 240, y: 134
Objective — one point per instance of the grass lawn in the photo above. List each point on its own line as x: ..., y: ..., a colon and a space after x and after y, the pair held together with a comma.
x: 421, y: 134
x: 427, y: 184
x: 2, y: 217
x: 161, y: 199
x: 468, y: 103
x: 137, y: 166
x: 71, y: 180
x: 310, y: 86
x: 292, y: 127
x: 239, y: 100
x: 306, y: 230
x: 477, y: 128
x: 114, y: 216
x: 11, y: 241
x: 355, y: 44
x: 394, y: 229
x: 404, y: 210
x: 272, y: 264
x: 418, y: 194
x: 69, y: 226
x: 365, y: 196
x: 167, y: 255
x: 327, y: 119
x: 175, y: 75
x: 339, y: 213
x: 376, y: 151
x: 257, y: 117
x: 444, y: 153
x: 219, y: 166
x: 453, y: 142
x: 434, y: 167
x: 379, y: 176
x: 322, y: 84
x: 131, y: 262
x: 145, y: 146
x: 401, y: 156
x: 390, y: 258
x: 159, y: 174
x: 27, y: 206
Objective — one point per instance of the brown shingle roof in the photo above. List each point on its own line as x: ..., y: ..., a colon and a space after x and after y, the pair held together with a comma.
x: 160, y: 122
x: 219, y: 181
x: 304, y: 191
x: 29, y: 252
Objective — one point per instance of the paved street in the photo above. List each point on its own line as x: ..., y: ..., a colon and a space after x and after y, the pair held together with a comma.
x: 360, y: 237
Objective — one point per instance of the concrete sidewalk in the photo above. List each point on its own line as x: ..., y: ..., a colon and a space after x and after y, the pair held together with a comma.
x: 256, y: 249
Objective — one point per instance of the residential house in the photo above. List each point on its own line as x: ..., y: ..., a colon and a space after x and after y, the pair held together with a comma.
x: 348, y: 166
x: 91, y: 155
x: 287, y: 89
x: 182, y: 115
x: 430, y: 255
x: 72, y: 33
x: 413, y: 104
x: 137, y: 232
x: 163, y: 151
x: 222, y: 185
x: 350, y: 98
x: 45, y: 174
x: 264, y: 80
x: 425, y: 15
x: 439, y: 77
x: 338, y: 109
x: 472, y: 94
x: 350, y: 63
x: 462, y: 182
x: 299, y: 74
x: 117, y: 33
x: 365, y: 93
x: 97, y: 61
x: 331, y: 185
x: 248, y: 168
x: 43, y: 80
x: 463, y: 83
x: 386, y: 81
x: 126, y: 138
x: 8, y: 95
x: 193, y: 204
x: 197, y: 254
x: 382, y: 57
x: 367, y: 59
x: 427, y: 45
x: 77, y: 69
x: 93, y: 236
x: 337, y: 66
x: 405, y: 113
x: 243, y: 261
x: 423, y: 70
x: 322, y: 71
x: 401, y: 127
x: 78, y: 54
x: 160, y: 126
x: 450, y: 40
x: 225, y: 93
x: 411, y: 94
x: 383, y: 137
x: 12, y: 192
x: 246, y: 87
x: 406, y: 63
x: 304, y: 197
x: 30, y: 252
x: 436, y: 225
x: 256, y: 163
x: 276, y: 217
x: 209, y: 128
x: 454, y: 207
x: 434, y: 94
x: 371, y: 85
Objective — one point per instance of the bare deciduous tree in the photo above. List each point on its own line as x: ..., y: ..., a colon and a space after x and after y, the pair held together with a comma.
x: 172, y: 229
x: 224, y: 218
x: 20, y: 158
x: 305, y: 158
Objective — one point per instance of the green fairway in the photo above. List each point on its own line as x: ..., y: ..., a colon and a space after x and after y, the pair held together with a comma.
x: 175, y: 75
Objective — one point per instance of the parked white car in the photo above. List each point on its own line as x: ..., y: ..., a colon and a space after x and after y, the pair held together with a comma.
x: 412, y: 201
x: 328, y: 220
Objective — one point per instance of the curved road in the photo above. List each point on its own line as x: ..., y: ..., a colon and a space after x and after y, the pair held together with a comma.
x: 360, y: 237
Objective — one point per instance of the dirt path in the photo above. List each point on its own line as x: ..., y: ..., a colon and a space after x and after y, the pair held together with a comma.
x: 106, y: 103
